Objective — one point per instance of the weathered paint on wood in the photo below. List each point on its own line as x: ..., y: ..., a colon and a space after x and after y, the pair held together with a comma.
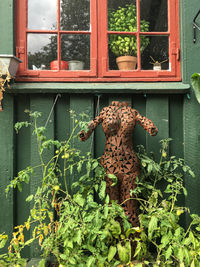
x: 7, y: 165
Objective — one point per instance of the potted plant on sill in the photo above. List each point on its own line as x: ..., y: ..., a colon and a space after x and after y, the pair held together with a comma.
x: 124, y: 19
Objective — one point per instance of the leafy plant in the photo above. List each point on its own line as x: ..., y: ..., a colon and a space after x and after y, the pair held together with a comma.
x: 124, y: 19
x: 163, y: 241
x: 70, y: 226
x: 4, y: 83
x: 195, y: 80
x: 80, y: 226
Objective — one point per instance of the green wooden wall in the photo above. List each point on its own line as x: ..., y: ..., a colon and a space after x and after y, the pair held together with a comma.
x: 20, y: 150
x: 176, y: 115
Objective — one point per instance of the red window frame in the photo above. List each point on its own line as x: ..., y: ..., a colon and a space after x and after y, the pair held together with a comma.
x: 99, y: 70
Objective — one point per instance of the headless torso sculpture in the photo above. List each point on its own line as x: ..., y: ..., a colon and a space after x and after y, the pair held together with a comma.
x: 118, y: 123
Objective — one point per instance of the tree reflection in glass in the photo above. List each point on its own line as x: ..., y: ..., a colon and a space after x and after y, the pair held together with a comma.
x: 74, y: 16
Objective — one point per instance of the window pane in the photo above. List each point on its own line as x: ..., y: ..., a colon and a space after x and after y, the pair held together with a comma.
x: 155, y: 13
x: 121, y: 45
x: 42, y: 49
x: 75, y: 15
x: 122, y: 15
x: 76, y: 47
x: 42, y: 14
x: 156, y: 52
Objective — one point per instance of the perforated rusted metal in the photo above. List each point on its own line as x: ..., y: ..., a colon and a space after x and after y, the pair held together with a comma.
x: 118, y: 123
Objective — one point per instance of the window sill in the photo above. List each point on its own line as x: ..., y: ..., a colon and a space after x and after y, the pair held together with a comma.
x: 95, y: 88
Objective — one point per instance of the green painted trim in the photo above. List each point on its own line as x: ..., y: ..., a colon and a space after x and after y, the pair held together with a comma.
x: 95, y: 88
x: 7, y: 25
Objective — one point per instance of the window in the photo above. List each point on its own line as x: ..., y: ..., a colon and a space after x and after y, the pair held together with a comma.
x: 79, y: 40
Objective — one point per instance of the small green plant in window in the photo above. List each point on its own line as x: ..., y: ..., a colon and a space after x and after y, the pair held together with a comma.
x: 124, y: 19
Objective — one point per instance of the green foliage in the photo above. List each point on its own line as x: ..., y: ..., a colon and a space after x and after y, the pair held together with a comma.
x: 163, y: 241
x: 124, y: 19
x: 75, y: 229
x: 195, y: 80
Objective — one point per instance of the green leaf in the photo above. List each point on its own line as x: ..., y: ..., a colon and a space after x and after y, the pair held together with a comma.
x: 168, y: 253
x: 102, y: 191
x: 187, y: 256
x: 111, y: 253
x: 79, y: 166
x: 184, y: 191
x: 133, y: 230
x: 95, y: 164
x: 106, y: 212
x: 29, y: 198
x: 42, y: 263
x: 19, y: 187
x: 28, y: 242
x: 78, y: 198
x: 107, y: 200
x: 138, y: 265
x: 115, y: 229
x: 123, y: 253
x: 90, y: 261
x: 165, y: 240
x: 88, y: 166
x: 152, y: 226
x: 3, y: 242
x: 138, y: 249
x: 113, y: 178
x: 180, y: 254
x: 195, y: 80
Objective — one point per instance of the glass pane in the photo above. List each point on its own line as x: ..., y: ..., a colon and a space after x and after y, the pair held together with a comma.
x: 42, y: 49
x: 154, y: 13
x: 155, y: 53
x: 76, y: 47
x: 75, y: 15
x: 121, y: 45
x: 122, y: 15
x: 42, y: 14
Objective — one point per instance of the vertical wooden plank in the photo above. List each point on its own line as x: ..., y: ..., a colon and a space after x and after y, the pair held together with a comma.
x: 191, y: 133
x: 85, y: 104
x: 157, y: 110
x: 22, y: 208
x: 41, y: 103
x: 139, y: 135
x: 176, y: 125
x: 62, y: 123
x: 99, y: 136
x: 120, y: 98
x: 191, y: 109
x: 6, y: 159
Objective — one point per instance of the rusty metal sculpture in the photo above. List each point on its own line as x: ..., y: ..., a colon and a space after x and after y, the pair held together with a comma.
x: 118, y: 123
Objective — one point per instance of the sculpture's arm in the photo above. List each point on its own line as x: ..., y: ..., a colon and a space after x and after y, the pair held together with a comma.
x: 147, y: 124
x: 91, y: 127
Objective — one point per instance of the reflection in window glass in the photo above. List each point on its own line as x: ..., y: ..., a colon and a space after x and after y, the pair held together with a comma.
x: 157, y: 51
x: 42, y: 49
x: 76, y: 47
x: 122, y: 15
x: 75, y: 15
x: 155, y: 12
x: 42, y: 14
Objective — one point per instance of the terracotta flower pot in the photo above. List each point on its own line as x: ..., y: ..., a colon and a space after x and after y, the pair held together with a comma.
x: 54, y: 65
x: 126, y: 62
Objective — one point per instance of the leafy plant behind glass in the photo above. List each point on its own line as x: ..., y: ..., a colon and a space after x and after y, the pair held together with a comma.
x: 124, y: 19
